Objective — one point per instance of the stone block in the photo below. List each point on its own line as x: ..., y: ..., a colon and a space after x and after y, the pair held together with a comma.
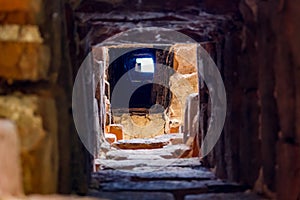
x: 141, y: 126
x: 110, y: 138
x: 10, y: 165
x: 20, y: 17
x: 175, y: 141
x: 174, y: 126
x: 185, y: 58
x: 21, y: 12
x: 24, y: 5
x: 174, y: 129
x: 24, y: 61
x: 35, y: 119
x: 117, y: 130
x: 141, y: 144
x: 14, y: 5
x: 181, y: 86
x: 134, y: 195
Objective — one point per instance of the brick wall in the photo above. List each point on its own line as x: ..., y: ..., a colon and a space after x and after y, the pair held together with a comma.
x: 35, y: 94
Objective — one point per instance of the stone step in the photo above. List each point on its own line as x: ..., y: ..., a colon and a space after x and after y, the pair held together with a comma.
x: 192, y: 186
x: 168, y: 173
x: 224, y: 196
x: 140, y: 144
x: 164, y: 179
x: 167, y: 152
x: 130, y: 164
x: 132, y: 195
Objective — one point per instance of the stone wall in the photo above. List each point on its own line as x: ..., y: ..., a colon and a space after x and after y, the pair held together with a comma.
x: 260, y: 142
x: 260, y: 66
x: 185, y: 82
x: 141, y: 125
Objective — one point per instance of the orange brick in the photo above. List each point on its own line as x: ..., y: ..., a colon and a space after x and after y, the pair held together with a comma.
x: 116, y: 129
x: 174, y: 129
x: 20, y: 5
x: 110, y: 138
x: 24, y: 61
x: 13, y: 5
x: 21, y: 12
x: 106, y: 130
x: 19, y: 17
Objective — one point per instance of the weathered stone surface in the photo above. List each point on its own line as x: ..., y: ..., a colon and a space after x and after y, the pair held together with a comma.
x: 185, y: 58
x: 20, y: 17
x: 141, y: 126
x: 132, y: 195
x: 17, y: 62
x: 223, y: 196
x: 130, y: 164
x: 35, y: 118
x: 169, y: 151
x: 21, y: 12
x: 16, y: 33
x: 174, y: 128
x: 141, y: 144
x: 10, y: 165
x: 170, y: 136
x: 144, y: 174
x: 117, y: 130
x: 174, y: 138
x: 22, y: 110
x: 202, y: 186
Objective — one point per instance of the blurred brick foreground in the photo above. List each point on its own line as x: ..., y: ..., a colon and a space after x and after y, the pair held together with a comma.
x: 36, y: 83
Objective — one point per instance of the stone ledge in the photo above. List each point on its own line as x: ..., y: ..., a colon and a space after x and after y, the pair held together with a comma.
x: 133, y: 195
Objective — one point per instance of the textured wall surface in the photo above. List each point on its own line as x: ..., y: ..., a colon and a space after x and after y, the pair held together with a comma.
x: 43, y: 43
x: 260, y: 141
x: 35, y: 94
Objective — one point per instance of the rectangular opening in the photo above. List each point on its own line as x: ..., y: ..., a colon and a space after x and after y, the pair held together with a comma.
x: 144, y: 65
